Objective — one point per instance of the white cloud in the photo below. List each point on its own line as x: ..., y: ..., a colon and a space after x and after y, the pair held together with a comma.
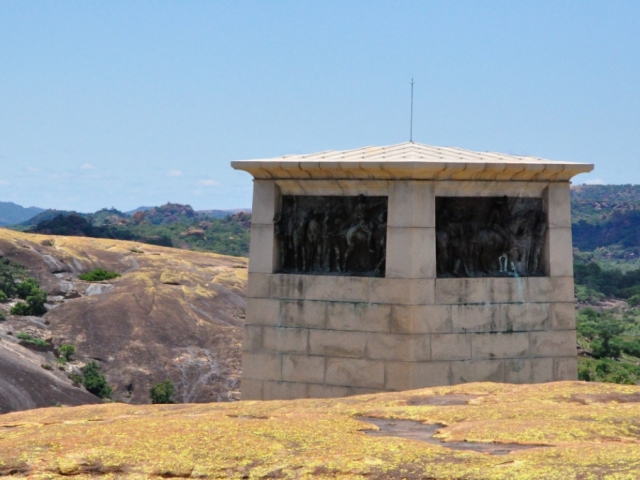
x: 209, y: 183
x: 595, y: 181
x: 174, y: 173
x: 86, y: 166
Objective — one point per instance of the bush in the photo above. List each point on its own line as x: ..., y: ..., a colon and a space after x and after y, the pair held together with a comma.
x: 33, y: 306
x: 3, y: 297
x: 94, y: 381
x: 30, y: 340
x: 26, y: 288
x: 2, y: 317
x: 20, y: 308
x: 634, y: 301
x: 34, y: 296
x: 162, y: 392
x: 66, y: 352
x: 98, y: 275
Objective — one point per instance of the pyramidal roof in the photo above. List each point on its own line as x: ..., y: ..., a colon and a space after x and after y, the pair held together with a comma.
x: 412, y: 160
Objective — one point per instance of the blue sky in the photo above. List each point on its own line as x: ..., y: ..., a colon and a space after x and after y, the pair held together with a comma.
x: 139, y: 103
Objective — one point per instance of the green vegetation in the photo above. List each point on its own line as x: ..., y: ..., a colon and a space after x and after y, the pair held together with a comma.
x: 65, y: 352
x: 162, y: 392
x: 98, y: 275
x: 29, y: 289
x: 3, y: 317
x: 10, y: 274
x: 612, y: 341
x: 31, y: 340
x: 94, y: 381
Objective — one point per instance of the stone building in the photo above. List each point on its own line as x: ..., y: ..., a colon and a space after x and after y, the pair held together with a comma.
x: 400, y: 267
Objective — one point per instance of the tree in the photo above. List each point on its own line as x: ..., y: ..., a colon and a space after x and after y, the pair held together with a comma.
x: 162, y: 392
x: 94, y: 381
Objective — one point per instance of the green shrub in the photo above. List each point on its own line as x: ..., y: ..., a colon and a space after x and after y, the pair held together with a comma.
x: 3, y: 317
x: 20, y: 308
x: 76, y: 379
x: 634, y: 301
x: 31, y: 340
x: 26, y: 288
x: 98, y: 275
x: 3, y: 297
x: 66, y: 352
x: 94, y: 381
x: 162, y: 392
x: 33, y: 306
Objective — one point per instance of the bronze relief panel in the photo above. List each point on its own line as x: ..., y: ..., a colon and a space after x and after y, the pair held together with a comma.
x: 332, y: 235
x: 490, y: 236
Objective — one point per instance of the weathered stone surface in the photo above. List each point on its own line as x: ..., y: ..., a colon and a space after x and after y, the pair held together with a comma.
x: 355, y: 373
x: 411, y: 375
x: 337, y: 344
x: 387, y: 346
x: 252, y: 339
x: 326, y: 391
x: 411, y: 252
x: 451, y: 346
x: 500, y: 345
x: 555, y: 343
x: 411, y: 204
x: 563, y: 316
x: 302, y: 368
x: 266, y: 202
x: 336, y: 289
x: 262, y: 311
x: 477, y: 371
x: 261, y: 366
x: 251, y: 389
x: 285, y: 340
x: 358, y: 317
x: 420, y: 319
x: 262, y: 249
x: 299, y: 313
x: 402, y: 291
x: 283, y: 390
x: 565, y: 368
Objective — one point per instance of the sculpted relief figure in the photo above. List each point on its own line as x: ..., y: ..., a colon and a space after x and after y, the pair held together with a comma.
x: 489, y: 236
x: 332, y: 235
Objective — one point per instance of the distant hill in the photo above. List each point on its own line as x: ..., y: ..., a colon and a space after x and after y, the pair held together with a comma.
x: 169, y: 225
x: 44, y: 215
x: 606, y: 222
x: 10, y: 213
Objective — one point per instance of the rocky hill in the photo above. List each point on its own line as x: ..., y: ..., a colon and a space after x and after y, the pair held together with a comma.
x: 172, y: 314
x: 563, y: 430
x: 10, y: 213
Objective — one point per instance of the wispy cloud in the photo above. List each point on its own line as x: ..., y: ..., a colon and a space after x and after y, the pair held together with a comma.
x: 4, y: 182
x: 175, y: 173
x: 209, y: 183
x: 87, y: 166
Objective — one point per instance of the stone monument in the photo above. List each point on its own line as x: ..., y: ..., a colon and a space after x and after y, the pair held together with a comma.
x: 408, y: 266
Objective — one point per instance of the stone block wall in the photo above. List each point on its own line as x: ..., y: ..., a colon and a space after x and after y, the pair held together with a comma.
x: 327, y: 336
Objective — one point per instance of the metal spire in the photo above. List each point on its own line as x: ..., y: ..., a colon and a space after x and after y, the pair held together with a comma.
x: 411, y: 122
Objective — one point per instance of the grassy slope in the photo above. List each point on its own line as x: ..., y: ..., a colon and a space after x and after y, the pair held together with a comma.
x: 589, y: 430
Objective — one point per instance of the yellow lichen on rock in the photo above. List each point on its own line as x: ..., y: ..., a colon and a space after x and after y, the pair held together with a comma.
x: 326, y: 438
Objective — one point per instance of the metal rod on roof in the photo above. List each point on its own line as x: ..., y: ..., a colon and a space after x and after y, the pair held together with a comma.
x: 411, y: 122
